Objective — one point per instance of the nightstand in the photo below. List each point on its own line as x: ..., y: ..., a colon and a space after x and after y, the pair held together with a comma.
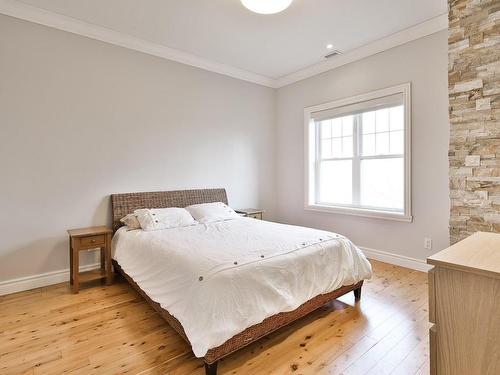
x: 89, y: 239
x: 252, y: 212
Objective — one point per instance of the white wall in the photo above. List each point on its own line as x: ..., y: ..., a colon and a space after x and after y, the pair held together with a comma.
x: 423, y: 63
x: 81, y: 119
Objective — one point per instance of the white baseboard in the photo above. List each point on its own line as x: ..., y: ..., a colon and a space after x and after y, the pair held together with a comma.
x: 37, y: 281
x: 55, y: 277
x: 398, y: 260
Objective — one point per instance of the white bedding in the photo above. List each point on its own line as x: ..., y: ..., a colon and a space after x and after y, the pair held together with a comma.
x: 220, y: 278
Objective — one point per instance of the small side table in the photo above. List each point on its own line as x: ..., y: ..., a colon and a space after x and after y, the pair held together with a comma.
x: 252, y: 212
x: 88, y: 239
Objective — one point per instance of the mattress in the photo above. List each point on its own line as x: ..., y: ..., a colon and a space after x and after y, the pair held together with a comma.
x: 218, y: 279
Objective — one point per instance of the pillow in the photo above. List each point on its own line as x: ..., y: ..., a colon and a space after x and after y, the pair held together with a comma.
x: 163, y: 218
x: 131, y: 222
x: 210, y: 212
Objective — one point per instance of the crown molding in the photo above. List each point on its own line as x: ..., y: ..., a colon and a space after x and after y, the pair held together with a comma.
x: 58, y: 21
x: 418, y: 31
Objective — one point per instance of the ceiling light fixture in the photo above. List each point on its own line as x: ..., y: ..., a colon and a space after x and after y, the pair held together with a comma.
x: 266, y: 6
x: 329, y: 46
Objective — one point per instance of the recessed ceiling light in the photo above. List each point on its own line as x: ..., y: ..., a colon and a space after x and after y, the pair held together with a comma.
x: 329, y: 46
x: 266, y: 6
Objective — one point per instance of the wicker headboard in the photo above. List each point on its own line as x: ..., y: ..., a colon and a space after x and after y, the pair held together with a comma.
x: 123, y: 204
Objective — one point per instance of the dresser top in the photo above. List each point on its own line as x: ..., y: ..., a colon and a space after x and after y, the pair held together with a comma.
x: 479, y: 253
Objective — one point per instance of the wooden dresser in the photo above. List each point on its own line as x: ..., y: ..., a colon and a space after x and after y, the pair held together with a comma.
x: 464, y: 307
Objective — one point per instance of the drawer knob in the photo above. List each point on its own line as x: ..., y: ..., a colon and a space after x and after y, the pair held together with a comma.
x: 93, y: 241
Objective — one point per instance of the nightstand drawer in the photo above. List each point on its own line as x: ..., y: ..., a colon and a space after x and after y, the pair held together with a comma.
x: 255, y: 216
x: 254, y: 213
x: 92, y: 240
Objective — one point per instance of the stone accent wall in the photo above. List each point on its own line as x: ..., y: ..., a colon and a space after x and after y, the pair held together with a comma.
x: 474, y: 87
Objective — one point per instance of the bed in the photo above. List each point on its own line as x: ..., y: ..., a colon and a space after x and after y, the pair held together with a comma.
x: 252, y: 275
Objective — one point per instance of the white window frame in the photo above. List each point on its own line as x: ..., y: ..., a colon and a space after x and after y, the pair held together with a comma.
x: 310, y: 157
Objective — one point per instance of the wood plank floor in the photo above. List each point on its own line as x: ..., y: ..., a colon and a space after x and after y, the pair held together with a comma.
x: 111, y: 330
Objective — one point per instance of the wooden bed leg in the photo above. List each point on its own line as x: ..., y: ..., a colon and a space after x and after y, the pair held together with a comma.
x: 211, y: 368
x: 115, y: 269
x: 357, y: 294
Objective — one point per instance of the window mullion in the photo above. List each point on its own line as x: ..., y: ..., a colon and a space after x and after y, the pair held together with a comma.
x: 356, y: 160
x: 317, y: 164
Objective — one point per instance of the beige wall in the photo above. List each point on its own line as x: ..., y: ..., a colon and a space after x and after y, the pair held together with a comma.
x: 80, y: 119
x: 423, y: 63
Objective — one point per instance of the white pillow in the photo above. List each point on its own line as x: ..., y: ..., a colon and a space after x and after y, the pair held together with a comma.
x: 163, y: 218
x: 210, y: 212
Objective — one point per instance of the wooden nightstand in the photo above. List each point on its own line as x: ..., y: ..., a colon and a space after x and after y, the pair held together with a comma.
x: 252, y: 212
x: 87, y: 239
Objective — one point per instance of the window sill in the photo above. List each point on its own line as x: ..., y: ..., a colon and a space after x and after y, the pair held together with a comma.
x: 384, y: 215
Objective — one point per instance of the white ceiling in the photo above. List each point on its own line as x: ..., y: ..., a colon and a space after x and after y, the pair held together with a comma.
x: 273, y: 46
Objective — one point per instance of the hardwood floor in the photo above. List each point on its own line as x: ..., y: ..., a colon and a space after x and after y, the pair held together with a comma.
x: 112, y: 330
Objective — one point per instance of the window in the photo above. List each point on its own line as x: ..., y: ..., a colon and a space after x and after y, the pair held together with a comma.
x: 358, y: 155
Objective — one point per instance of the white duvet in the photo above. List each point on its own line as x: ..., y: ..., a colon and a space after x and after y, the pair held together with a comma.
x: 220, y: 278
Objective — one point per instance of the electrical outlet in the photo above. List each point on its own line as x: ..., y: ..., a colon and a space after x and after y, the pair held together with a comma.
x: 428, y: 243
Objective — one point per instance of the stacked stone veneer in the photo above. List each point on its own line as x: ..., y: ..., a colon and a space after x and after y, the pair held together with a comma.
x: 474, y: 87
